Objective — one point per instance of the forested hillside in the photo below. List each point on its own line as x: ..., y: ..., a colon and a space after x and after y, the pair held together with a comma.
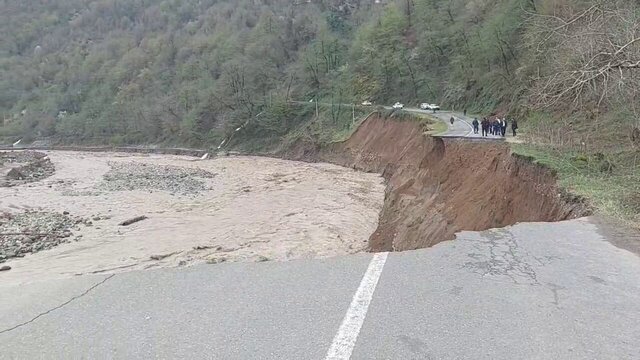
x: 191, y: 71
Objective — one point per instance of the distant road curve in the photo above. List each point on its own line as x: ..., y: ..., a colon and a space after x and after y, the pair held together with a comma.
x: 461, y: 127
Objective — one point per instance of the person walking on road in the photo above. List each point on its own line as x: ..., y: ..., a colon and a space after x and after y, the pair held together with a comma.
x: 503, y: 127
x: 475, y: 125
x: 514, y: 126
x: 451, y: 120
x: 485, y: 127
x: 465, y: 112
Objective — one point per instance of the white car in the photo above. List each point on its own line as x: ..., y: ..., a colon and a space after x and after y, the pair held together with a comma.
x: 366, y: 103
x: 427, y: 106
x: 397, y: 106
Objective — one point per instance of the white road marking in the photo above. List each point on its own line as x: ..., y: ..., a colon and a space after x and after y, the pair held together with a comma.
x: 345, y: 339
x: 466, y: 123
x: 470, y: 127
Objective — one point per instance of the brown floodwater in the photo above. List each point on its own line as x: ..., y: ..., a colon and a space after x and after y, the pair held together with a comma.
x: 254, y: 209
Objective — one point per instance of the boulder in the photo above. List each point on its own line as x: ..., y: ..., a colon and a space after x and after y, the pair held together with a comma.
x: 15, y: 174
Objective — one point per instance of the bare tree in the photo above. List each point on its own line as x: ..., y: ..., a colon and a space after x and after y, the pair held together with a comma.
x: 586, y: 56
x: 238, y: 86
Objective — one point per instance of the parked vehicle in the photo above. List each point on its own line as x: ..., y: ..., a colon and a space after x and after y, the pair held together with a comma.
x: 366, y: 103
x: 397, y: 106
x: 427, y: 106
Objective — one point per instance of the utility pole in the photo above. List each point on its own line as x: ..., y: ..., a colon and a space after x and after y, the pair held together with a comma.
x: 353, y: 114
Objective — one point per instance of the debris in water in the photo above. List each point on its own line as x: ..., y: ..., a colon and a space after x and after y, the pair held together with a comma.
x: 33, y: 231
x: 132, y: 221
x: 22, y: 167
x: 216, y: 260
x: 161, y: 256
x: 140, y: 176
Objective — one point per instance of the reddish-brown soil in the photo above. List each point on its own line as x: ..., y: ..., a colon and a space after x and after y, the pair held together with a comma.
x: 438, y: 187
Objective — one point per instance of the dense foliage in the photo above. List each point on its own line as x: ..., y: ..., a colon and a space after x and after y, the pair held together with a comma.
x: 192, y: 71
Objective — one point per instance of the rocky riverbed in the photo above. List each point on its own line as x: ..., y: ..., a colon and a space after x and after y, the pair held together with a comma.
x: 33, y: 231
x: 20, y: 167
x: 128, y: 176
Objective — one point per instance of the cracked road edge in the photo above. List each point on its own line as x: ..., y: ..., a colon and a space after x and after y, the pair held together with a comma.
x: 57, y: 307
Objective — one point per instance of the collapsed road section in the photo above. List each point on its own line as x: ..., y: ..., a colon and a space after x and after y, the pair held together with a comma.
x: 438, y: 187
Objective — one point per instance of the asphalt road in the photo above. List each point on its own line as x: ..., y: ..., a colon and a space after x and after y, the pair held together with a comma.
x: 531, y: 291
x: 460, y: 128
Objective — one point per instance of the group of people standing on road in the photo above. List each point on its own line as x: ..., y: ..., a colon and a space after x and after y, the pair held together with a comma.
x: 494, y: 126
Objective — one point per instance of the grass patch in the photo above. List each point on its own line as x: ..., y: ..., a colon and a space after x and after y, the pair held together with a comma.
x: 610, y: 182
x: 437, y: 127
x: 345, y: 133
x: 434, y: 125
x: 325, y: 132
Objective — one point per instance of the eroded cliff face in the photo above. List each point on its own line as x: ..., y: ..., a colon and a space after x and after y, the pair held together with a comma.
x: 438, y: 187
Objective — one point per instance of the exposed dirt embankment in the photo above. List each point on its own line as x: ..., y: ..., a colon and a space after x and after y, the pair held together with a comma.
x: 437, y: 188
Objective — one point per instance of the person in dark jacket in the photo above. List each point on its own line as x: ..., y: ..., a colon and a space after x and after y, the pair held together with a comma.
x: 485, y: 127
x: 514, y: 126
x: 503, y: 126
x: 476, y: 124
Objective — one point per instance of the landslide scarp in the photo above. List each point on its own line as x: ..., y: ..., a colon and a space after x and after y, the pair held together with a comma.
x: 438, y: 187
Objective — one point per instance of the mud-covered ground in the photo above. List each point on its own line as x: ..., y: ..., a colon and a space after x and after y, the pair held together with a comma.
x: 225, y: 209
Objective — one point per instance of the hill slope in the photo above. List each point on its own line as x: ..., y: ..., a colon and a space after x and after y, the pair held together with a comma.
x: 187, y: 71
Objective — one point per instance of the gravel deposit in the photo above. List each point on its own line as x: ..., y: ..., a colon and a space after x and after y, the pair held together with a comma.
x: 22, y: 167
x: 33, y: 231
x: 126, y: 176
x: 26, y: 156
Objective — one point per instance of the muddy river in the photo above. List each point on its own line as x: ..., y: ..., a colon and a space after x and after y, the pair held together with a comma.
x: 219, y: 210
